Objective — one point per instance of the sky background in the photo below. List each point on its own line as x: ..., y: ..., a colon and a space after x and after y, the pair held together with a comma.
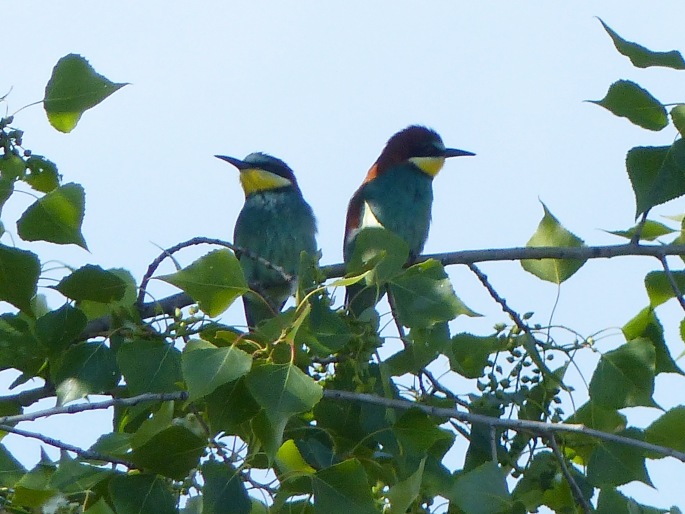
x: 323, y: 86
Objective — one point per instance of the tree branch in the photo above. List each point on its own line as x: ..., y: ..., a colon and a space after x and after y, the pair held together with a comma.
x: 672, y: 282
x: 536, y: 427
x: 84, y: 454
x: 168, y: 305
x: 105, y: 404
x: 575, y: 488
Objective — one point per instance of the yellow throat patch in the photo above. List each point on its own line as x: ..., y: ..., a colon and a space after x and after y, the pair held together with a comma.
x: 429, y: 165
x: 254, y: 180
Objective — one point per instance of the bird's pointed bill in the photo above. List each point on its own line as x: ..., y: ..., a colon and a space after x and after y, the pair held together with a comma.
x: 455, y: 152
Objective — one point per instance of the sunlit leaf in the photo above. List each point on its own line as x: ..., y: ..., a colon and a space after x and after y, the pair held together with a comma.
x: 43, y: 175
x: 214, y: 281
x: 551, y: 233
x: 650, y: 231
x: 56, y: 218
x: 678, y: 118
x: 647, y: 326
x: 403, y: 494
x: 206, y: 367
x: 74, y: 87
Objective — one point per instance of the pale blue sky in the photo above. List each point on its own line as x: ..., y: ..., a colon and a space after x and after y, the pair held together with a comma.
x: 323, y: 86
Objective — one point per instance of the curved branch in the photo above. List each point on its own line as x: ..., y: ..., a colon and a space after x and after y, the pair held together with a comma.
x: 536, y: 427
x: 201, y: 241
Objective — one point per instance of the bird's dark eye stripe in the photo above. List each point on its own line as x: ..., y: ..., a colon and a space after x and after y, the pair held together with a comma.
x: 428, y: 150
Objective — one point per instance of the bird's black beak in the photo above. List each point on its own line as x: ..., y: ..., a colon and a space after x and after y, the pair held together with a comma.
x: 453, y: 152
x: 241, y: 165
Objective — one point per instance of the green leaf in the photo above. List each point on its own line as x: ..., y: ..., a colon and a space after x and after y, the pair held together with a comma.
x: 628, y: 100
x: 282, y: 390
x: 541, y: 485
x: 19, y: 272
x: 611, y: 501
x: 42, y: 174
x: 647, y: 326
x: 11, y: 469
x: 641, y: 57
x: 417, y: 432
x: 668, y: 430
x: 12, y: 167
x: 19, y: 348
x: 34, y: 488
x: 625, y: 377
x: 659, y: 288
x: 229, y: 406
x: 596, y: 417
x: 83, y: 369
x: 551, y: 233
x: 150, y: 366
x: 426, y: 345
x: 206, y: 367
x: 482, y: 490
x: 403, y: 494
x: 343, y: 489
x: 650, y: 231
x: 56, y: 218
x: 214, y: 281
x: 73, y: 477
x: 172, y: 452
x: 141, y: 494
x: 92, y: 283
x: 470, y: 354
x: 74, y: 88
x: 657, y: 174
x: 424, y: 296
x: 678, y: 118
x: 99, y: 507
x: 379, y: 250
x: 613, y: 464
x: 125, y: 306
x: 290, y: 462
x: 326, y: 331
x: 223, y: 491
x: 58, y: 329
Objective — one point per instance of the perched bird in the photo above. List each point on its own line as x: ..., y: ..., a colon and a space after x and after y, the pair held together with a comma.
x: 275, y: 223
x: 397, y: 195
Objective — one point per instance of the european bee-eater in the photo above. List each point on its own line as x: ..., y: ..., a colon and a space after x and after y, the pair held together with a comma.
x: 275, y: 223
x: 397, y: 195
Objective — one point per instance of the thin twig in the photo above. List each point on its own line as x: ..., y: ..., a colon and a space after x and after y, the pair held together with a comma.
x: 536, y: 427
x: 435, y: 383
x: 105, y: 404
x: 672, y: 282
x: 493, y: 443
x: 575, y: 488
x: 84, y: 454
x: 635, y: 240
x: 529, y: 344
x: 393, y: 311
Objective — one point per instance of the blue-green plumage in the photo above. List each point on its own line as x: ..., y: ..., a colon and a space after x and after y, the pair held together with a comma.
x: 275, y: 223
x: 397, y: 195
